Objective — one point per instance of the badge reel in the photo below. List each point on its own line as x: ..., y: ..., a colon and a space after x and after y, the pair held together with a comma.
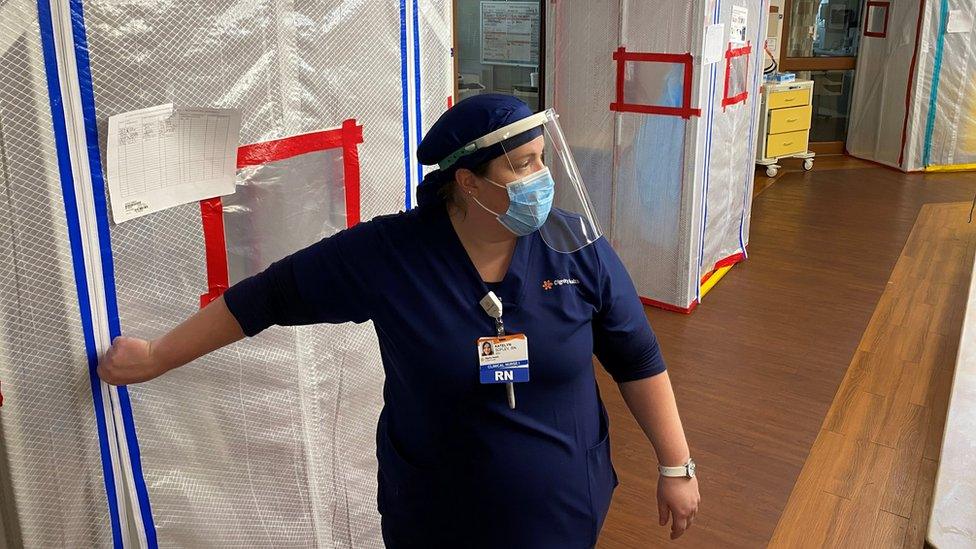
x: 503, y: 358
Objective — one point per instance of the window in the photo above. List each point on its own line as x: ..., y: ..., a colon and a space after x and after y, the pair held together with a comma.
x: 736, y: 75
x: 500, y: 48
x: 831, y: 103
x: 876, y: 21
x: 824, y: 28
x: 308, y: 183
x: 654, y: 83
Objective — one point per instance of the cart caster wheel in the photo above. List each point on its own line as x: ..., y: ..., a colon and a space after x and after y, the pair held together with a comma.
x: 808, y: 164
x: 771, y: 172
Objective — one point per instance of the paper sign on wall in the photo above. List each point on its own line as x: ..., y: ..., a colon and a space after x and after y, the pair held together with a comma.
x: 740, y: 18
x: 714, y: 35
x: 162, y: 157
x: 510, y: 33
x: 958, y: 22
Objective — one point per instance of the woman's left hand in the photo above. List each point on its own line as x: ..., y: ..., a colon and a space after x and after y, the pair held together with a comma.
x: 678, y: 499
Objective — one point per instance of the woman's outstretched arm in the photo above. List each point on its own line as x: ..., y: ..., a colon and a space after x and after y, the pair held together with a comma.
x: 132, y: 360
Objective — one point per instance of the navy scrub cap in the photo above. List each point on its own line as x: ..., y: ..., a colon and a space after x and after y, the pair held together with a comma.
x: 466, y: 121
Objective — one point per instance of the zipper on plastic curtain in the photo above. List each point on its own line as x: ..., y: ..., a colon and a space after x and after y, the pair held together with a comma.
x: 133, y: 531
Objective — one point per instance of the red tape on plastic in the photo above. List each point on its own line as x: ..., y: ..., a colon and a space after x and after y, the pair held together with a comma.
x: 352, y: 136
x: 348, y: 137
x: 731, y: 260
x: 212, y: 212
x: 622, y: 56
x: 727, y: 262
x: 911, y: 82
x: 668, y: 307
x: 731, y: 54
x: 867, y: 17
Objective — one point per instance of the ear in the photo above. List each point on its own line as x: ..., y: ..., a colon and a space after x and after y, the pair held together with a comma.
x: 467, y: 181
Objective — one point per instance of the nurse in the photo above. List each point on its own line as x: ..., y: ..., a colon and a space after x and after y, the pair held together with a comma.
x: 476, y: 449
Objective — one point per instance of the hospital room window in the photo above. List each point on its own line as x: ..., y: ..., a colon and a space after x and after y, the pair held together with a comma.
x: 499, y: 48
x: 824, y: 28
x: 831, y: 103
x: 821, y: 44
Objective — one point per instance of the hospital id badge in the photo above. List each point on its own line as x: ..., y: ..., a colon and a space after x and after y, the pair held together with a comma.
x: 504, y: 359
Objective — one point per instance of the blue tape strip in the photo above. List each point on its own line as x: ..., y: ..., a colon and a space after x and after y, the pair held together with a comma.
x: 77, y: 256
x: 105, y: 245
x: 936, y: 73
x: 404, y: 100
x: 416, y: 77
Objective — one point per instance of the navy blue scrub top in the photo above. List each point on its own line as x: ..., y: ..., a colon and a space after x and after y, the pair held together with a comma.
x: 457, y: 467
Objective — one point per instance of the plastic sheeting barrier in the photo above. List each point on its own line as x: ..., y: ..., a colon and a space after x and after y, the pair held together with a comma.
x: 270, y: 442
x: 52, y: 487
x: 913, y: 87
x: 670, y: 164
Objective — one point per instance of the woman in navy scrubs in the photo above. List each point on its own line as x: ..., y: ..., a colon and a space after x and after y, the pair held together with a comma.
x: 476, y: 449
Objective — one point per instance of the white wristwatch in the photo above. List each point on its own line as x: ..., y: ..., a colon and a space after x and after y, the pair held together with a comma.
x: 682, y: 471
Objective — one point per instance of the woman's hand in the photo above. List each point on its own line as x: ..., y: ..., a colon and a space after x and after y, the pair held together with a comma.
x: 677, y: 498
x: 129, y: 360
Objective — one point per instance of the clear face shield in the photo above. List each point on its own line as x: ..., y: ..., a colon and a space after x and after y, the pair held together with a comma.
x: 544, y: 187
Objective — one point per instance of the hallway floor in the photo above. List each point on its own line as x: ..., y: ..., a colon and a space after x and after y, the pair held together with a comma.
x: 757, y: 366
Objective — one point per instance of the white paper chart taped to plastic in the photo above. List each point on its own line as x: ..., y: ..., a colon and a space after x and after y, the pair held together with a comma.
x: 714, y: 46
x: 160, y: 157
x: 959, y: 22
x: 740, y: 18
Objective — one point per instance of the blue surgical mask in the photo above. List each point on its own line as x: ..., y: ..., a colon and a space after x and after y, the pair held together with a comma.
x: 529, y: 202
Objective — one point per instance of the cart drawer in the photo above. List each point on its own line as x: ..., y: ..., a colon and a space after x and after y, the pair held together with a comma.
x: 783, y: 144
x: 792, y: 98
x: 789, y: 120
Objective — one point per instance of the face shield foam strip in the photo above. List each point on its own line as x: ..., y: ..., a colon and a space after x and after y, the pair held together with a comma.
x: 499, y: 135
x: 77, y: 259
x: 348, y: 138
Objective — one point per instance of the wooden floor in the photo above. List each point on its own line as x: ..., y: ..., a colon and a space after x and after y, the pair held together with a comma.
x: 869, y: 478
x: 757, y: 366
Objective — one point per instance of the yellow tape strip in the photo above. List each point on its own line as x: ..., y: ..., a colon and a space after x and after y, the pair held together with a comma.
x: 953, y: 168
x: 713, y: 280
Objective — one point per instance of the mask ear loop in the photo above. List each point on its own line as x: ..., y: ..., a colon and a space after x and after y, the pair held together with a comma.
x: 473, y: 197
x: 485, y: 208
x: 499, y: 185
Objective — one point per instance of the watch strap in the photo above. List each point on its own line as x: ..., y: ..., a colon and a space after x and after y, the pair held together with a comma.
x: 680, y: 471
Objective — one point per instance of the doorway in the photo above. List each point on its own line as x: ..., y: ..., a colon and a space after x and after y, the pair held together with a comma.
x: 821, y: 39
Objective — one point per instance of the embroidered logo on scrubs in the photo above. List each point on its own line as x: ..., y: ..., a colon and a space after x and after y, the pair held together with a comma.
x: 550, y: 284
